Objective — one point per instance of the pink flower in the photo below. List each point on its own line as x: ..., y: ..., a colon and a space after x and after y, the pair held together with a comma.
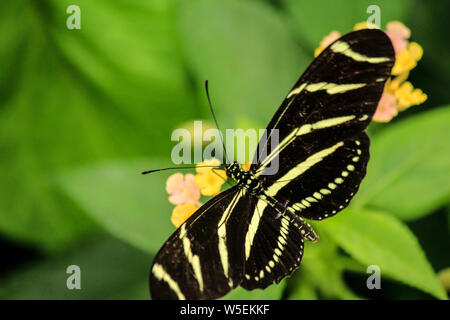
x: 399, y: 35
x: 387, y: 108
x: 182, y: 189
x: 326, y: 41
x: 330, y: 38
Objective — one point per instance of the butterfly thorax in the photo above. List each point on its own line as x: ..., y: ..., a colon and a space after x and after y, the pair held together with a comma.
x: 244, y: 179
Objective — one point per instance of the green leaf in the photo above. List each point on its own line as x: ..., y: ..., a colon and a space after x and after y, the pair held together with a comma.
x: 321, y: 271
x: 129, y: 205
x: 377, y: 238
x: 246, y: 52
x: 109, y: 270
x: 409, y: 171
x: 313, y: 20
x: 72, y: 97
x: 128, y: 50
x: 273, y: 292
x: 304, y: 291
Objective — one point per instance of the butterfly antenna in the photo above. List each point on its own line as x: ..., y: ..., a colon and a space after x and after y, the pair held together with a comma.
x: 215, y: 120
x: 170, y: 168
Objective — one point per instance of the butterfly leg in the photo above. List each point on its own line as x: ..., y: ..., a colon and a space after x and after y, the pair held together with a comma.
x: 282, y: 210
x: 282, y: 213
x: 306, y: 230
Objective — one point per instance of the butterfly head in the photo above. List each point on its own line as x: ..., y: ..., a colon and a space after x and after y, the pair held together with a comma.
x: 243, y: 178
x: 233, y: 170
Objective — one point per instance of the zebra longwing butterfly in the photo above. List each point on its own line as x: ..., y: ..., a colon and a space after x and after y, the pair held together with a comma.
x: 252, y: 235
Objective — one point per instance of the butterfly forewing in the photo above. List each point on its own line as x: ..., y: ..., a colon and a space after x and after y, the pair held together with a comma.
x: 333, y: 100
x: 204, y: 257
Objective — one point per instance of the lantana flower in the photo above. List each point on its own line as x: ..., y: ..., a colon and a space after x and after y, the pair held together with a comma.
x: 399, y: 35
x: 209, y: 179
x: 326, y: 41
x: 184, y: 190
x: 407, y: 58
x: 398, y: 94
x: 408, y: 96
x: 387, y: 108
x: 182, y: 212
x: 246, y: 166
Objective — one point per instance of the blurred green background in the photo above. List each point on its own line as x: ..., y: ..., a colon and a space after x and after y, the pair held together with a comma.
x: 82, y: 112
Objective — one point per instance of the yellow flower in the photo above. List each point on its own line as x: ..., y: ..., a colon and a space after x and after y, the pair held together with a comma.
x: 246, y: 166
x: 408, y: 96
x: 364, y: 25
x: 208, y: 180
x: 407, y: 58
x: 394, y: 84
x: 182, y: 212
x: 415, y: 50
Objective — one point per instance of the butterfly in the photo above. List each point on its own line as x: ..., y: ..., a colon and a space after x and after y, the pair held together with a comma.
x: 253, y: 234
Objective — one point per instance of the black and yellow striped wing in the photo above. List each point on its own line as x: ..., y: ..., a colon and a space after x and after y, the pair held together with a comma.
x: 323, y: 151
x: 203, y: 259
x: 273, y: 246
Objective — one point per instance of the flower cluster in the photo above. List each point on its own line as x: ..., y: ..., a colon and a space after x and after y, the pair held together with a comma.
x: 185, y: 189
x: 398, y: 93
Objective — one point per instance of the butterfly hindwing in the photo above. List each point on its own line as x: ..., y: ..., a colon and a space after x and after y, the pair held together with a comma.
x: 329, y: 179
x: 204, y: 257
x: 274, y: 245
